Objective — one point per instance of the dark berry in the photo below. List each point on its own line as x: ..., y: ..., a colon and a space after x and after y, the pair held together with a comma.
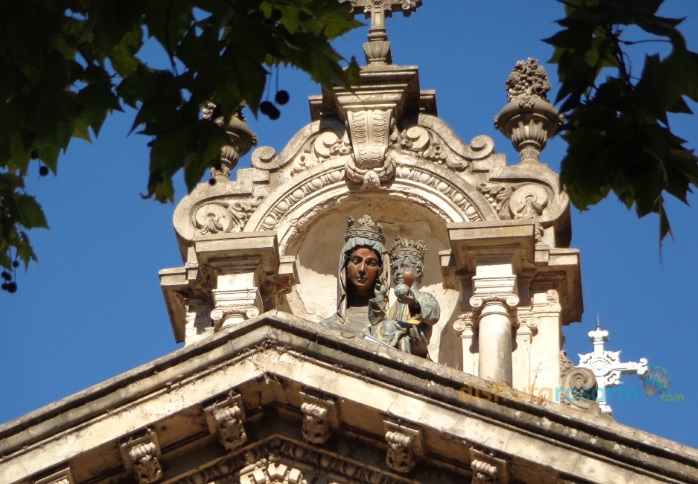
x: 212, y: 181
x: 15, y: 264
x: 4, y: 286
x: 266, y: 107
x: 11, y: 287
x: 275, y: 113
x: 6, y: 275
x: 43, y: 170
x: 282, y: 97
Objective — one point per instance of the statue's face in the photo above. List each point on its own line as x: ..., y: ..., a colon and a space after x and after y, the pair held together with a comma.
x: 363, y: 268
x: 405, y: 271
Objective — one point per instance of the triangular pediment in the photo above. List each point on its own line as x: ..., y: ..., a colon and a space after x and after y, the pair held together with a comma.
x: 267, y: 377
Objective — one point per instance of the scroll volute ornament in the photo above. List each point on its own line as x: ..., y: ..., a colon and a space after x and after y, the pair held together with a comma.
x: 528, y: 120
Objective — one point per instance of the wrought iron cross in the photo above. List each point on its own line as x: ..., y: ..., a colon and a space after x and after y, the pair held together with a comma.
x: 377, y: 48
x: 607, y: 366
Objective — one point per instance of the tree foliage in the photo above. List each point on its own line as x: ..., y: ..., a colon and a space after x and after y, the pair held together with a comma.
x: 67, y: 64
x: 618, y: 129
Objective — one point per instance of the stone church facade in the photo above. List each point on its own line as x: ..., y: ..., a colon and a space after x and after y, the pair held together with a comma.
x: 264, y: 392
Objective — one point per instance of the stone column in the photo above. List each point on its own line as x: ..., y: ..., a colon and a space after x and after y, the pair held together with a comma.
x: 494, y: 300
x: 495, y: 252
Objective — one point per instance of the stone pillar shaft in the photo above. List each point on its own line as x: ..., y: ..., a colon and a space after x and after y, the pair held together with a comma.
x: 495, y: 342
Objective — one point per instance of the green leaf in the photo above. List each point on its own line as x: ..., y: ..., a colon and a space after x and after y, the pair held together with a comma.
x: 29, y: 212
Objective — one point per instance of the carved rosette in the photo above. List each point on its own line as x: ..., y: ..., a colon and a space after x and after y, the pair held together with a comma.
x: 142, y: 456
x: 226, y: 420
x: 528, y: 120
x: 217, y: 217
x: 319, y: 418
x: 404, y: 447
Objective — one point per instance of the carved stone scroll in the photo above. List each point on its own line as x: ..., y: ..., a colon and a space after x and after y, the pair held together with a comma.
x: 404, y: 447
x: 487, y: 468
x: 226, y: 420
x: 326, y: 145
x: 142, y: 456
x: 216, y: 217
x: 319, y: 418
x: 579, y: 386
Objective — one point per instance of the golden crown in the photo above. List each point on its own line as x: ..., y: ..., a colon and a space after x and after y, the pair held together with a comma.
x: 403, y: 247
x: 365, y: 228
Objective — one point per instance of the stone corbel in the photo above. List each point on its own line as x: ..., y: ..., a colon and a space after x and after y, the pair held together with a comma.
x: 141, y: 455
x: 487, y: 469
x: 404, y: 446
x: 226, y: 420
x: 64, y: 476
x: 319, y: 418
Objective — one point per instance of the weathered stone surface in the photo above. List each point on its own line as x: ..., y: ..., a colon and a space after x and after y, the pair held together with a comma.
x: 270, y: 360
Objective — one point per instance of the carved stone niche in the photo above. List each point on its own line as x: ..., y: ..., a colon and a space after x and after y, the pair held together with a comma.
x: 226, y: 420
x: 141, y: 455
x: 487, y: 469
x: 319, y: 418
x: 404, y: 446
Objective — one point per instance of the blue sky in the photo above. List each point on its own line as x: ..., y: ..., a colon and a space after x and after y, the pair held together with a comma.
x: 92, y: 308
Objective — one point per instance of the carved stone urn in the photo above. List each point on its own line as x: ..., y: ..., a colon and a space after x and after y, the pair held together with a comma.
x: 528, y: 120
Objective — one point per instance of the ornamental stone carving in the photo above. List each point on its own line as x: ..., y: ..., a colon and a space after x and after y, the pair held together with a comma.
x: 141, y: 455
x: 319, y: 418
x: 279, y: 460
x: 226, y: 420
x: 377, y: 48
x: 324, y: 146
x: 529, y: 120
x: 404, y: 447
x: 274, y: 472
x: 487, y: 469
x: 216, y: 217
x: 579, y: 386
x: 370, y: 132
x: 241, y: 140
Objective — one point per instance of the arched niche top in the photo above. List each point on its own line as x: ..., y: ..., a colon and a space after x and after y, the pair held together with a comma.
x: 302, y: 200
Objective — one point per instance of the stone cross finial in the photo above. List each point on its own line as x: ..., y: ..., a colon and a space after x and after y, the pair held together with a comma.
x: 607, y: 366
x: 377, y: 48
